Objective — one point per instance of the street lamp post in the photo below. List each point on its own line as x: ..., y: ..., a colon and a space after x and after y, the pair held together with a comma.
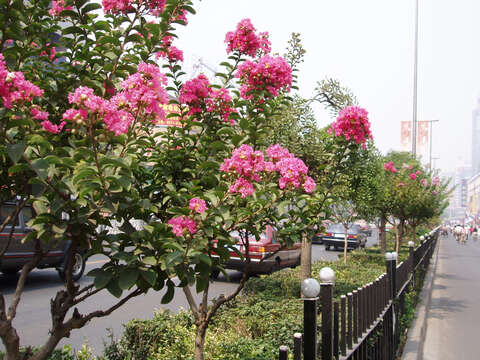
x: 415, y: 66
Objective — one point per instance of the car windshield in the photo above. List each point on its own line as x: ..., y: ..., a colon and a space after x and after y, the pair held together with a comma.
x: 338, y: 228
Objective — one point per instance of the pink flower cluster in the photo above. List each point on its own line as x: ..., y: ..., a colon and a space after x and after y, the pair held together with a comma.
x: 144, y: 91
x: 267, y: 74
x: 413, y: 176
x: 58, y: 7
x: 123, y: 6
x: 198, y: 205
x: 143, y: 94
x: 246, y: 41
x: 248, y: 165
x: 352, y: 123
x: 172, y: 53
x: 182, y: 225
x: 52, y: 128
x: 14, y: 88
x: 435, y: 181
x: 198, y: 94
x: 389, y: 166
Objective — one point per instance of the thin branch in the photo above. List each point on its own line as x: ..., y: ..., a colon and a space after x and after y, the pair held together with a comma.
x: 27, y: 268
x: 191, y: 302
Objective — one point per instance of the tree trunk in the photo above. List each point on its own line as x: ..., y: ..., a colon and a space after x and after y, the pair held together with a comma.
x: 306, y: 257
x: 345, y: 245
x: 12, y: 344
x: 200, y: 340
x: 399, y: 236
x: 383, y: 235
x: 414, y: 234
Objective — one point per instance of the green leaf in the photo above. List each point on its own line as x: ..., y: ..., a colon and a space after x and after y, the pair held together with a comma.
x: 40, y: 166
x: 15, y: 151
x: 205, y: 259
x: 90, y: 7
x: 150, y: 260
x: 200, y: 284
x: 114, y: 289
x: 149, y: 276
x: 102, y: 279
x: 170, y: 292
x: 127, y: 278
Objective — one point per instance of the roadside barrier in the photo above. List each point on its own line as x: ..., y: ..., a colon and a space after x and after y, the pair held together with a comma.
x: 365, y: 323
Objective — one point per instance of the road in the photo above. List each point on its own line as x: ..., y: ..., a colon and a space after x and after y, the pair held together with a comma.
x: 453, y: 316
x: 33, y: 316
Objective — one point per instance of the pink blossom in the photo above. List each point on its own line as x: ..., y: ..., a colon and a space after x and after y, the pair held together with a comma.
x: 405, y: 166
x: 9, y: 42
x: 400, y: 184
x: 198, y: 205
x: 58, y: 7
x: 389, y: 166
x: 38, y: 114
x: 435, y: 181
x: 245, y: 41
x: 75, y: 115
x: 53, y: 53
x: 277, y: 152
x: 267, y: 75
x: 182, y: 225
x: 84, y: 97
x: 52, y: 128
x: 14, y: 88
x: 242, y: 186
x: 220, y: 102
x: 309, y: 185
x: 418, y: 172
x: 413, y: 176
x: 116, y: 120
x: 181, y: 16
x: 352, y: 123
x: 144, y: 91
x: 245, y: 162
x: 194, y: 92
x: 424, y: 182
x: 292, y: 171
x: 435, y: 192
x: 123, y: 6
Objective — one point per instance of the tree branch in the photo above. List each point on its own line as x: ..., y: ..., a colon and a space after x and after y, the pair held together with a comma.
x: 191, y: 302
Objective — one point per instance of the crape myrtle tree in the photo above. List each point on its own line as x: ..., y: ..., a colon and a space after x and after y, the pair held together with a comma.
x: 415, y: 194
x: 358, y: 190
x: 325, y: 152
x: 78, y: 95
x: 79, y: 144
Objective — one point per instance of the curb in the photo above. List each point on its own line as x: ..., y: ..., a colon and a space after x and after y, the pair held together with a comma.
x: 413, y: 349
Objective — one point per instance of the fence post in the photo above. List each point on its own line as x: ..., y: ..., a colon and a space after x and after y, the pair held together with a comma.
x: 297, y: 346
x: 327, y: 279
x: 411, y: 268
x: 310, y: 289
x: 283, y: 352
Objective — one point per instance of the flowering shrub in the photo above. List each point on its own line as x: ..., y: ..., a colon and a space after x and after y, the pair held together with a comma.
x: 352, y: 123
x: 246, y: 41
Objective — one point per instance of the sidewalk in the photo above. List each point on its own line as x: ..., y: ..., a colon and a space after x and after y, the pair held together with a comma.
x: 453, y: 313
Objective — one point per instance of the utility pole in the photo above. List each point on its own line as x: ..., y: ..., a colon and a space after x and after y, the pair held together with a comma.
x: 415, y: 66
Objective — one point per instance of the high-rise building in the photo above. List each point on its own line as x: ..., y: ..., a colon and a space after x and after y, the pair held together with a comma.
x: 476, y: 139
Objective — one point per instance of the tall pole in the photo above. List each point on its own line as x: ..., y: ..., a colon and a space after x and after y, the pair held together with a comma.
x: 415, y: 66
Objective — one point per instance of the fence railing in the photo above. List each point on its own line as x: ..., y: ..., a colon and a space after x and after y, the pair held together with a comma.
x: 365, y: 323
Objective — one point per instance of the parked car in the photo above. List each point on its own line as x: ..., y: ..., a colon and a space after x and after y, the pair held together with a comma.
x: 335, y: 237
x: 259, y: 251
x: 18, y: 253
x: 366, y: 228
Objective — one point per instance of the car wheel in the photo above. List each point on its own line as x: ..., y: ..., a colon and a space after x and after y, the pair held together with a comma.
x: 10, y: 272
x: 77, y: 269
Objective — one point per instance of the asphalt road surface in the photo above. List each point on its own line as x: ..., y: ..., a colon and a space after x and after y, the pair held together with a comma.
x: 453, y: 316
x: 33, y: 315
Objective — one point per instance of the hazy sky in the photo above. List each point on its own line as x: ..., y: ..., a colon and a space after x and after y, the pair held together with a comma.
x: 368, y: 46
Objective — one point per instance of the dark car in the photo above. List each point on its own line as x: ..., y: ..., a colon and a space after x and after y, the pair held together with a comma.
x: 19, y: 253
x: 260, y: 251
x: 335, y: 237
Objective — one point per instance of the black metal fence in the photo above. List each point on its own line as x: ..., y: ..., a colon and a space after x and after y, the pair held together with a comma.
x: 365, y: 323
